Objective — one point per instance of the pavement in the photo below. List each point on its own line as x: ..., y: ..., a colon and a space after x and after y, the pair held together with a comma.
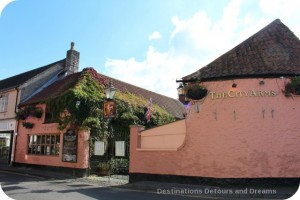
x: 204, y: 191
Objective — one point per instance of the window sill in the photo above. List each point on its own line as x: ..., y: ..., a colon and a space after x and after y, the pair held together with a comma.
x: 42, y: 155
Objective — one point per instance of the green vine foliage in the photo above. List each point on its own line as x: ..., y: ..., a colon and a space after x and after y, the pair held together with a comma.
x: 293, y: 87
x: 89, y: 91
x: 27, y: 111
x: 85, y: 115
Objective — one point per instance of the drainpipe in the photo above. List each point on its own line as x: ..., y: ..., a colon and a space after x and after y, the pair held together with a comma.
x: 15, y: 136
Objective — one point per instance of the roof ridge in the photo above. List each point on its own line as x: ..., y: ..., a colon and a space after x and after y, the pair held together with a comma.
x: 45, y: 66
x: 172, y: 106
x: 137, y: 87
x: 19, y: 79
x: 272, y: 50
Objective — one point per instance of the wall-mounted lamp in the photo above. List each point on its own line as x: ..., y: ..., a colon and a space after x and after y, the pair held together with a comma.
x: 234, y: 85
x: 110, y: 90
x: 180, y: 91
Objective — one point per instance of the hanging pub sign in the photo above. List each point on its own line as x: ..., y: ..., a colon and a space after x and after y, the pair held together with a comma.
x: 109, y: 109
x: 69, y: 152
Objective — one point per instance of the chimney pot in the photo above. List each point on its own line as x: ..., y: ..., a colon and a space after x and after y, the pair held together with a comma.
x: 72, y: 45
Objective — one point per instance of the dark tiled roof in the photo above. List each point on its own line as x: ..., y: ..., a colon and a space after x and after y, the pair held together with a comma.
x: 54, y: 90
x: 273, y: 51
x: 19, y: 79
x: 173, y: 106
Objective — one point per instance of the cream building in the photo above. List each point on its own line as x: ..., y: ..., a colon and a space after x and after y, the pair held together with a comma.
x: 21, y: 87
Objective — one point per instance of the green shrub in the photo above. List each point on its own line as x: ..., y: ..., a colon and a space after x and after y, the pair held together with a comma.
x: 120, y: 166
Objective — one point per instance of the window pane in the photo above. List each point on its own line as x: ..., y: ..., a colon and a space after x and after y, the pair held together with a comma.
x: 43, y: 144
x: 57, y: 139
x: 34, y: 139
x: 53, y: 139
x: 38, y: 149
x: 52, y: 150
x: 42, y: 149
x: 56, y: 149
x: 39, y: 139
x: 43, y: 139
x: 48, y: 150
x: 3, y: 102
x: 30, y: 140
x: 33, y: 149
x: 48, y: 139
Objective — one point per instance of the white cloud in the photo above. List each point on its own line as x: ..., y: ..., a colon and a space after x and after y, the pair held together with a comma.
x: 286, y: 10
x: 157, y: 73
x: 155, y: 36
x: 195, y: 42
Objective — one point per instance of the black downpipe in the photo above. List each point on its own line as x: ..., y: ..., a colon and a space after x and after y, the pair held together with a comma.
x: 17, y: 129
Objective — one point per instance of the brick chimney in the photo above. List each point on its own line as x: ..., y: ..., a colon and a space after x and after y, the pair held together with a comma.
x: 72, y: 60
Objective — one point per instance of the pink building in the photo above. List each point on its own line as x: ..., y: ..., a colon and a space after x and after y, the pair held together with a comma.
x: 40, y: 141
x: 42, y: 145
x: 247, y: 127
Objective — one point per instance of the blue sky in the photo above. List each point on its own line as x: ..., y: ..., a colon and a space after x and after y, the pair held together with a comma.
x: 149, y: 43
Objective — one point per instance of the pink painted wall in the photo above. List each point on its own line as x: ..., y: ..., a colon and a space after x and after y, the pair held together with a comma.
x: 168, y: 137
x: 21, y: 155
x: 238, y: 137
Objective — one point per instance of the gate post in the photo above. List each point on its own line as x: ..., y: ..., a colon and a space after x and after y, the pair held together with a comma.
x: 135, y: 142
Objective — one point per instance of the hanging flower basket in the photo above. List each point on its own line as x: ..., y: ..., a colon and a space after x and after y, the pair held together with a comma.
x: 28, y: 125
x: 293, y: 87
x: 195, y: 91
x: 38, y: 112
x: 21, y: 115
x: 27, y: 111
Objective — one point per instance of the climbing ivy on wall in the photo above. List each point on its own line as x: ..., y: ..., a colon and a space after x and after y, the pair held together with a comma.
x: 89, y: 91
x: 66, y: 110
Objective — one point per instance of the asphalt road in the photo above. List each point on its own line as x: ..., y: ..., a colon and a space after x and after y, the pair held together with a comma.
x: 24, y: 187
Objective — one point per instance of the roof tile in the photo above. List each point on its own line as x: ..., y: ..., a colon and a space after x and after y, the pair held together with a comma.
x: 274, y: 50
x: 19, y: 79
x: 173, y: 106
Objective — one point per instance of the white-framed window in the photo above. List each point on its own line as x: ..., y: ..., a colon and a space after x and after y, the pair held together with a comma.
x: 3, y: 102
x: 43, y: 144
